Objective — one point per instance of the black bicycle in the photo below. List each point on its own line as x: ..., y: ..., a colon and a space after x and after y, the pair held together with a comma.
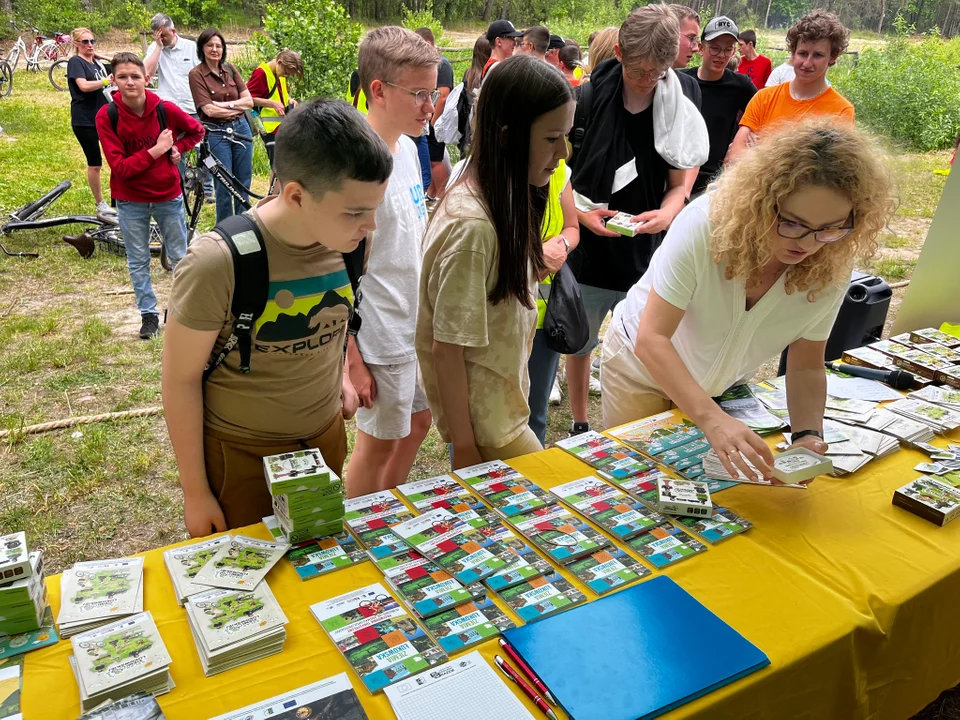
x: 104, y: 233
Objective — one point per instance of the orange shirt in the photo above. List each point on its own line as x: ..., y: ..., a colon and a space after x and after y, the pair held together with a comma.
x: 775, y: 104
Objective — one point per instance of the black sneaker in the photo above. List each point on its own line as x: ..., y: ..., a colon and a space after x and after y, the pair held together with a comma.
x: 150, y: 326
x: 578, y: 428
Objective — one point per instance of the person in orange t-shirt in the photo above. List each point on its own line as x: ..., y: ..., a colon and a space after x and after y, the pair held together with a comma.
x: 815, y: 43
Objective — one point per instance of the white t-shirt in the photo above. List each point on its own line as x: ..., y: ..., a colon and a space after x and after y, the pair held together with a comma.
x: 391, y: 285
x: 783, y: 73
x: 173, y: 67
x: 719, y: 341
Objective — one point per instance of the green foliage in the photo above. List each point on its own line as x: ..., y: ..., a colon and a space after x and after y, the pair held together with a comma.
x: 61, y: 16
x: 578, y: 18
x: 194, y: 13
x: 325, y: 37
x: 423, y: 17
x: 909, y: 91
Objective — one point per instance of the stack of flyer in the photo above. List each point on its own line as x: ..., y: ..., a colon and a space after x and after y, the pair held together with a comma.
x: 98, y: 592
x: 184, y: 562
x: 371, y: 519
x: 240, y: 564
x: 319, y: 556
x: 608, y: 507
x: 563, y: 536
x: 423, y: 585
x: 442, y: 491
x: 610, y: 458
x: 119, y: 659
x: 946, y: 396
x: 900, y: 427
x: 307, y: 495
x: 330, y: 699
x: 234, y: 627
x: 940, y: 418
x: 23, y: 595
x: 507, y: 491
x: 378, y: 638
x: 670, y: 440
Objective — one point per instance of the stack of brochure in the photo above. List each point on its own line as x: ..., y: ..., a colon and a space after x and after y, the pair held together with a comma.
x: 234, y: 627
x: 946, y: 396
x: 98, y: 592
x: 740, y: 402
x: 900, y: 427
x: 184, y: 562
x: 307, y: 495
x: 940, y: 418
x: 119, y: 659
x: 241, y: 563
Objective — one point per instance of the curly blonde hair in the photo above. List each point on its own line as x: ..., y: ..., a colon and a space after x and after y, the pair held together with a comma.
x: 745, y: 201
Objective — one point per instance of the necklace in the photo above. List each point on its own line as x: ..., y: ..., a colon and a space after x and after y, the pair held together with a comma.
x: 790, y: 88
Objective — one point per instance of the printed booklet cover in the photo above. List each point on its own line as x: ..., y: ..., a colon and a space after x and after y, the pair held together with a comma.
x: 425, y: 586
x: 666, y: 545
x: 931, y: 499
x: 542, y: 596
x: 468, y: 624
x: 723, y: 525
x: 183, y: 563
x: 241, y: 564
x: 371, y: 517
x: 657, y: 433
x: 223, y: 618
x: 100, y: 589
x: 425, y: 494
x: 504, y: 488
x: 332, y: 698
x: 523, y: 563
x: 607, y: 570
x: 608, y: 507
x: 559, y: 533
x: 296, y: 471
x: 314, y: 558
x: 611, y: 458
x: 380, y: 641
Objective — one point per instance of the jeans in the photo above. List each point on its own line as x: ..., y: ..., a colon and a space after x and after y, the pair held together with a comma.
x: 182, y: 167
x: 542, y: 367
x: 134, y: 220
x: 237, y: 158
x: 423, y: 150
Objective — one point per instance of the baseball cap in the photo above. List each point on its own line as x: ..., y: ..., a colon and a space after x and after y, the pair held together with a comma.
x: 502, y: 28
x: 721, y: 25
x: 556, y: 42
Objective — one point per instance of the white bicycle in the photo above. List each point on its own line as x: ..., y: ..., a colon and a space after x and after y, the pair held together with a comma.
x: 43, y: 49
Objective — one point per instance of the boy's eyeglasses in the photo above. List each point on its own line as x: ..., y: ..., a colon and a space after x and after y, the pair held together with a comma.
x: 692, y: 39
x: 717, y: 51
x: 793, y: 230
x: 88, y: 42
x: 421, y: 96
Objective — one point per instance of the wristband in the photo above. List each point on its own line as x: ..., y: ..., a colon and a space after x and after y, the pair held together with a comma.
x: 566, y: 244
x: 804, y: 433
x: 106, y: 82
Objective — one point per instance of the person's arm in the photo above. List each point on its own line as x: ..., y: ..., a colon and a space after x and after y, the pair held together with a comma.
x: 350, y: 400
x: 245, y: 102
x: 127, y: 166
x: 674, y: 199
x: 189, y: 131
x: 185, y: 354
x: 260, y: 92
x: 727, y: 435
x: 555, y: 253
x: 744, y: 139
x: 359, y: 374
x: 807, y: 391
x: 452, y: 386
x: 689, y: 180
x: 151, y: 61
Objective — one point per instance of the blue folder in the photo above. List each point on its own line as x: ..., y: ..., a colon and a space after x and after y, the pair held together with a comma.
x: 636, y: 654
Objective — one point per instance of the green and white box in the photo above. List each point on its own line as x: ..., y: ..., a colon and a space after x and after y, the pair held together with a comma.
x: 14, y: 557
x: 620, y: 223
x: 296, y: 471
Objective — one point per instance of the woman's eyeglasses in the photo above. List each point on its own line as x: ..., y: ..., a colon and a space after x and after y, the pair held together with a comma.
x: 793, y: 230
x: 88, y: 41
x: 421, y: 96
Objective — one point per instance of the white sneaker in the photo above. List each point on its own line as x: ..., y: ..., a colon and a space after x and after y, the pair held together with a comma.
x: 104, y: 209
x: 594, y: 385
x: 555, y: 395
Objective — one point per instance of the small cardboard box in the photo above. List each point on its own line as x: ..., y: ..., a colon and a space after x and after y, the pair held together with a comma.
x: 889, y: 347
x: 949, y: 376
x: 296, y: 471
x: 921, y: 363
x: 868, y: 357
x: 620, y: 223
x: 14, y: 558
x: 799, y: 465
x: 931, y: 335
x: 684, y: 497
x: 930, y: 499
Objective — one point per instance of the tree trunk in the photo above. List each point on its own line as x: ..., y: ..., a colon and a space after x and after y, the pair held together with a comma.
x: 487, y: 9
x: 766, y: 17
x: 7, y: 6
x: 883, y: 11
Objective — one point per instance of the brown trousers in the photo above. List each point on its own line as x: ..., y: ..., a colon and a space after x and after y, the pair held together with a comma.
x: 235, y: 468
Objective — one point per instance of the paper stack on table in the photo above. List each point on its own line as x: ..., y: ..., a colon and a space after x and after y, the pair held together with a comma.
x: 241, y: 563
x: 714, y: 469
x: 560, y: 534
x: 425, y: 587
x: 610, y: 508
x: 98, y: 592
x: 504, y: 488
x: 235, y: 627
x: 332, y: 698
x: 946, y: 396
x: 939, y: 418
x: 119, y: 659
x: 906, y: 430
x: 183, y: 563
x: 23, y: 602
x: 371, y: 519
x: 307, y: 495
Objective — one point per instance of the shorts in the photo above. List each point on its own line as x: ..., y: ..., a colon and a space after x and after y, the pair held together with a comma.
x: 90, y: 142
x: 435, y: 147
x: 399, y: 395
x: 597, y: 302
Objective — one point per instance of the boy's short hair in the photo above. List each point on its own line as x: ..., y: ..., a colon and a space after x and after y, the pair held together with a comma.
x: 819, y: 25
x: 325, y: 142
x: 127, y: 58
x: 427, y: 34
x: 650, y: 32
x: 386, y: 51
x: 683, y: 12
x: 748, y: 36
x: 569, y: 56
x: 539, y: 37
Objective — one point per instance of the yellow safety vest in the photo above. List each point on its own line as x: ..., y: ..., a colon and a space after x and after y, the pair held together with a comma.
x: 360, y: 103
x: 552, y: 226
x: 268, y: 116
x: 578, y: 72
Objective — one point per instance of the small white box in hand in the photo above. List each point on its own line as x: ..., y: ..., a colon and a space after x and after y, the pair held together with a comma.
x: 620, y: 223
x: 798, y: 465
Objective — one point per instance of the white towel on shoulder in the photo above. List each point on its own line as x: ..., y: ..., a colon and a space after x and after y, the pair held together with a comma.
x: 679, y: 132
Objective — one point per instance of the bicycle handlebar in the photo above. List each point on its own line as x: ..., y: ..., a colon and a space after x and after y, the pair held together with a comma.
x: 229, y: 132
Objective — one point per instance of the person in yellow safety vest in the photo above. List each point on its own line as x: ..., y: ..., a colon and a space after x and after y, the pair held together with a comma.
x: 561, y: 233
x: 271, y: 97
x: 355, y: 94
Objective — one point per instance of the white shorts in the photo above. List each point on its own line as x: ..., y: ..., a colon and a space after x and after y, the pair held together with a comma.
x: 399, y: 395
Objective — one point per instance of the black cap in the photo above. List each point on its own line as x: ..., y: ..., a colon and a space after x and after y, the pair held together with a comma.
x: 556, y: 42
x: 502, y: 28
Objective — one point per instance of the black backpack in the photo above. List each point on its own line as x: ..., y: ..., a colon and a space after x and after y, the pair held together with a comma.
x: 581, y: 118
x: 251, y: 282
x: 114, y: 116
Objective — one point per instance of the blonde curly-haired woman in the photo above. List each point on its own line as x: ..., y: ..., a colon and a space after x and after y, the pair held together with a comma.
x: 759, y: 263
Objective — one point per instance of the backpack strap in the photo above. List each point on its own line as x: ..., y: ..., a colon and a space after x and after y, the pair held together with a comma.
x: 113, y: 114
x: 251, y: 280
x: 581, y: 118
x: 354, y: 262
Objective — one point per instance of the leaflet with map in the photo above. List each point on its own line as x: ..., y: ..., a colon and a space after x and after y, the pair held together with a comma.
x: 542, y: 596
x: 378, y: 638
x: 314, y: 558
x: 607, y: 570
x: 560, y: 533
x: 658, y: 433
x: 666, y: 545
x: 468, y: 624
x: 425, y: 586
x: 611, y: 458
x: 183, y: 563
x: 241, y: 564
x: 504, y: 488
x: 740, y: 403
x: 723, y: 525
x: 608, y: 507
x: 440, y: 491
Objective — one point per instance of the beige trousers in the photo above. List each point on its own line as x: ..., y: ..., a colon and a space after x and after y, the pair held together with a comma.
x: 526, y: 443
x: 625, y: 399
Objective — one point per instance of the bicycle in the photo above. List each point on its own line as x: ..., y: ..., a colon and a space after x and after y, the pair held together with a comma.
x: 42, y: 50
x: 104, y: 234
x: 6, y: 79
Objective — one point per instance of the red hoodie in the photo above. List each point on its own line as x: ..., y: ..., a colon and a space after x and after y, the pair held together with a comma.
x: 135, y: 175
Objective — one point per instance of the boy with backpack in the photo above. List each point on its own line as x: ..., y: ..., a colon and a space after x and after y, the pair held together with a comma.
x: 253, y: 362
x: 143, y: 138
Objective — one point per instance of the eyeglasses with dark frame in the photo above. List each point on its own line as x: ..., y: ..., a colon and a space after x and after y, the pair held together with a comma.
x: 793, y: 230
x: 88, y: 41
x: 421, y: 96
x: 717, y: 51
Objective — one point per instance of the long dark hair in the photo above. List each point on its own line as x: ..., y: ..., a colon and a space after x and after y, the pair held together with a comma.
x: 481, y: 53
x: 514, y: 95
x: 205, y: 37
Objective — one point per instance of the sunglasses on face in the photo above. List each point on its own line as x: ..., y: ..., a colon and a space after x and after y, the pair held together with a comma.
x: 793, y: 230
x: 421, y: 96
x: 88, y: 41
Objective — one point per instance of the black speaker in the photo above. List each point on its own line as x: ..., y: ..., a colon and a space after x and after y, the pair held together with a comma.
x: 861, y: 317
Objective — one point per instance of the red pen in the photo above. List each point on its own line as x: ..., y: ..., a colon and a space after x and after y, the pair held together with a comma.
x: 537, y: 682
x: 527, y: 690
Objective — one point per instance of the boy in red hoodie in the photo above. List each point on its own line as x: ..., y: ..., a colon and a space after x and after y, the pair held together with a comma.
x: 143, y: 175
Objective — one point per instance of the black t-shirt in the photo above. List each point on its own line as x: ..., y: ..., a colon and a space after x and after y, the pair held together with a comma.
x: 84, y: 105
x: 617, y: 263
x: 445, y: 74
x: 724, y: 102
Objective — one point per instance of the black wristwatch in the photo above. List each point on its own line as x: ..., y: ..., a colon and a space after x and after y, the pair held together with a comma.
x: 804, y: 433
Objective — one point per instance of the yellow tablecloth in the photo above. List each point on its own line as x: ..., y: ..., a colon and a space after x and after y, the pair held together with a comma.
x: 856, y: 603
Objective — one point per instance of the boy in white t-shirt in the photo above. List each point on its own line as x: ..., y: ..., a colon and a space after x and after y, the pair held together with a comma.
x: 398, y: 74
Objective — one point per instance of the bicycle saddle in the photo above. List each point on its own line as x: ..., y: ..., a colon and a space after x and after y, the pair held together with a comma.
x: 83, y: 243
x: 109, y: 219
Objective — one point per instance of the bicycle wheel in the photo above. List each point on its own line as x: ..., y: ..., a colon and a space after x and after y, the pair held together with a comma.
x: 33, y: 210
x: 58, y: 75
x: 6, y: 79
x: 47, y: 52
